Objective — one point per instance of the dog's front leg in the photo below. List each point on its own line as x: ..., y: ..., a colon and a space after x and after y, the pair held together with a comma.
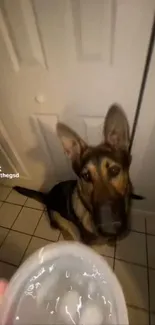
x: 70, y: 230
x: 87, y: 237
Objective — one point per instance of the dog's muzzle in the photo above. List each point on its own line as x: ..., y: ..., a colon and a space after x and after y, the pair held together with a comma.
x: 111, y: 218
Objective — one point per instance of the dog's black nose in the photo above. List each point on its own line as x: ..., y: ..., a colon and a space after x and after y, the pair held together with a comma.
x: 107, y: 221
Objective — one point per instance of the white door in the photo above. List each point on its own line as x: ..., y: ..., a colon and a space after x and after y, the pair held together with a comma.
x: 143, y: 166
x: 65, y: 60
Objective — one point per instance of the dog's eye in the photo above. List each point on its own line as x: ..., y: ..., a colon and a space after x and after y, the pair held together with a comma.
x: 113, y: 171
x: 86, y: 176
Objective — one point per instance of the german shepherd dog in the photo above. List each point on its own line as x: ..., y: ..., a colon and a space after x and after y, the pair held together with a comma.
x: 98, y: 202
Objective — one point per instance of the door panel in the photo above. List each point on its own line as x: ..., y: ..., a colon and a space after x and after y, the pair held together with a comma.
x: 66, y: 60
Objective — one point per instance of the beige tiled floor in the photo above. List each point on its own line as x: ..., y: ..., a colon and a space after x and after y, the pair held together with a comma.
x: 150, y: 224
x: 151, y: 251
x: 137, y: 222
x: 138, y: 317
x: 152, y: 290
x: 34, y: 204
x: 9, y: 213
x: 24, y: 227
x: 44, y: 231
x: 27, y: 220
x: 152, y: 320
x: 16, y: 198
x: 134, y: 281
x: 132, y: 248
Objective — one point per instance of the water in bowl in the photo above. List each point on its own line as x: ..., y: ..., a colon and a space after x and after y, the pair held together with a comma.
x: 64, y: 292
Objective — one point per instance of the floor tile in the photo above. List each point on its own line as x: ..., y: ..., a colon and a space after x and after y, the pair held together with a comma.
x: 6, y: 271
x: 151, y: 250
x: 8, y: 214
x: 27, y: 220
x: 137, y: 221
x: 4, y: 192
x: 31, y: 203
x: 61, y: 238
x: 16, y: 198
x: 134, y: 282
x: 3, y: 234
x: 105, y: 249
x: 138, y: 317
x: 152, y: 319
x: 110, y: 261
x: 1, y: 203
x: 150, y: 224
x: 35, y: 244
x: 132, y: 248
x: 44, y: 229
x: 14, y: 247
x: 152, y: 290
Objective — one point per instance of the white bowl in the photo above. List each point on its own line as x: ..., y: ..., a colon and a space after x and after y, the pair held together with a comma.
x: 40, y: 277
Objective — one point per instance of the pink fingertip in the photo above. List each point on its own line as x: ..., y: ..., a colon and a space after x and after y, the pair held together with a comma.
x: 3, y: 285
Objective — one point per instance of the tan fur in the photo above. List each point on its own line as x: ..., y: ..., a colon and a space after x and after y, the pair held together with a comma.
x: 121, y: 182
x: 116, y: 128
x: 70, y: 233
x: 93, y: 170
x: 104, y: 163
x: 67, y: 226
x: 82, y: 213
x: 85, y: 190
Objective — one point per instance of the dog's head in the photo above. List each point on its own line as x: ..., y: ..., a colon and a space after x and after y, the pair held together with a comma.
x: 103, y: 170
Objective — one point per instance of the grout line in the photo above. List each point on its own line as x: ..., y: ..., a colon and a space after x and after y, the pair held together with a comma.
x: 32, y: 235
x: 148, y: 233
x: 130, y: 262
x: 137, y: 308
x: 12, y: 225
x: 23, y: 205
x: 59, y: 236
x: 16, y: 218
x: 103, y: 255
x: 3, y: 185
x: 1, y: 204
x: 25, y: 233
x: 151, y: 268
x: 8, y: 194
x: 44, y: 208
x: 148, y: 278
x: 8, y: 263
x: 38, y: 223
x: 114, y: 257
x: 4, y: 238
x: 31, y: 238
x: 137, y: 231
x: 22, y: 257
x: 10, y: 230
x: 115, y: 253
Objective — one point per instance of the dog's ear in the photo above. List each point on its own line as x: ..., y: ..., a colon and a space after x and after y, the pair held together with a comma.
x: 116, y: 128
x: 73, y: 145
